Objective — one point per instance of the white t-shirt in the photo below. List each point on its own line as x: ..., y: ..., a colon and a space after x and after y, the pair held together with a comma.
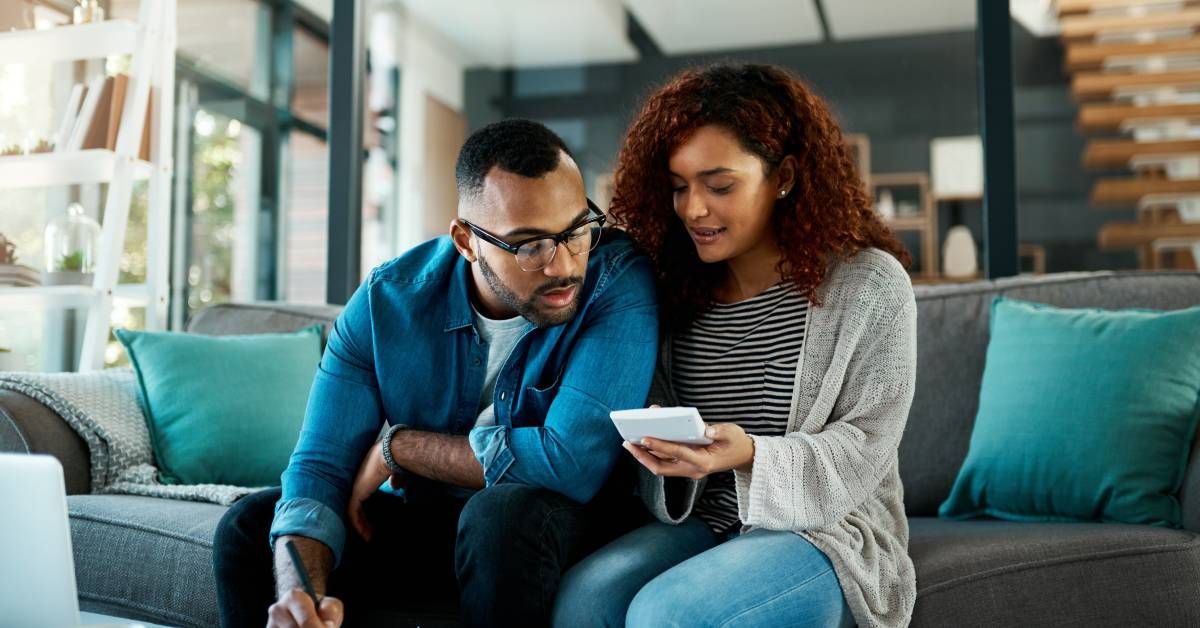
x: 500, y: 336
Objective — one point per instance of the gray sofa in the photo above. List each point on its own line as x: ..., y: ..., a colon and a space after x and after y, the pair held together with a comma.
x: 149, y: 558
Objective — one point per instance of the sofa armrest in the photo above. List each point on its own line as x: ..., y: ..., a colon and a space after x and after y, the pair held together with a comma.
x: 27, y: 426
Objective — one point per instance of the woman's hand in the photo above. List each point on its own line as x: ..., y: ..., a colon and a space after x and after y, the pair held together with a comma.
x: 731, y: 449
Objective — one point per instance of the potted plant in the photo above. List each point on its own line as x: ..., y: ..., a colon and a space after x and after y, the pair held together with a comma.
x: 72, y: 242
x: 69, y: 270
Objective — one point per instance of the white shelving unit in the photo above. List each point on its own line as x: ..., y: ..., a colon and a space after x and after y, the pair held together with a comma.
x: 73, y: 168
x: 151, y: 42
x: 71, y: 43
x: 19, y: 299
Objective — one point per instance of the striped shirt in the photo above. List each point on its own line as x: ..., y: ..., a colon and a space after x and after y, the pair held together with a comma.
x: 737, y: 363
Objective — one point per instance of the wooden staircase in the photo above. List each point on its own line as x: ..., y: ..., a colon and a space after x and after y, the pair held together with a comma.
x: 1135, y: 67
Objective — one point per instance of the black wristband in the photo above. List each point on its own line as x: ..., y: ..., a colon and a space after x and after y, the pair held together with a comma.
x: 386, y: 444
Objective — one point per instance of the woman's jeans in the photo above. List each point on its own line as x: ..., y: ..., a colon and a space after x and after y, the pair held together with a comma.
x: 686, y: 575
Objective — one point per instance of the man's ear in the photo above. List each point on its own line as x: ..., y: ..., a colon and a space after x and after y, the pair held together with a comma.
x: 461, y: 236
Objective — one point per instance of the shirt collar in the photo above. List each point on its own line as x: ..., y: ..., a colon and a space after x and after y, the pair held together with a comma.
x: 458, y: 308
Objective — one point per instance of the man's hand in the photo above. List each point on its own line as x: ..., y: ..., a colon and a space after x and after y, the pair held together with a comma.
x: 295, y: 609
x: 371, y: 473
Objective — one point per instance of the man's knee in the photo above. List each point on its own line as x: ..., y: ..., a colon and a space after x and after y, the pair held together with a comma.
x: 502, y: 507
x: 513, y: 520
x: 246, y: 524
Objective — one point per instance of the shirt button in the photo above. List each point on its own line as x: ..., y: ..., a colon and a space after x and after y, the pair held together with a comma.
x: 477, y: 362
x: 503, y: 396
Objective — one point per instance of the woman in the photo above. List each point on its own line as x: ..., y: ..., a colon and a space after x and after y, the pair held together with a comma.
x: 792, y: 328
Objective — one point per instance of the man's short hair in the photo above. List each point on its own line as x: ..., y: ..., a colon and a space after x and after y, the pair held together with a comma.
x: 522, y: 147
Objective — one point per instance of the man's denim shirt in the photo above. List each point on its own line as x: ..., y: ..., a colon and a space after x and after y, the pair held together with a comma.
x: 405, y: 350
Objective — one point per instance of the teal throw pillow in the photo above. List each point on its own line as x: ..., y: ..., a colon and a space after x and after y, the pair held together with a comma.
x: 223, y: 409
x: 1084, y: 415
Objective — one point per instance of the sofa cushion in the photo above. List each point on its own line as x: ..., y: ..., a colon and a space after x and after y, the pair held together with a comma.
x: 1000, y: 573
x: 952, y: 338
x: 145, y: 558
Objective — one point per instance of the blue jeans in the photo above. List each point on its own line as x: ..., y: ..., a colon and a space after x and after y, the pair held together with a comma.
x: 685, y: 575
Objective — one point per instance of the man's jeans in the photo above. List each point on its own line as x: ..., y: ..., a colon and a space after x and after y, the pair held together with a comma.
x: 499, y: 555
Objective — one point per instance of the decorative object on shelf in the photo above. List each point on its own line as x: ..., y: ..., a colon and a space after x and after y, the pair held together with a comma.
x: 8, y: 250
x: 88, y: 11
x: 911, y: 209
x: 960, y: 259
x: 16, y: 15
x: 19, y: 276
x: 957, y: 165
x: 11, y: 150
x: 42, y: 145
x: 72, y: 246
x: 886, y: 205
x: 12, y: 273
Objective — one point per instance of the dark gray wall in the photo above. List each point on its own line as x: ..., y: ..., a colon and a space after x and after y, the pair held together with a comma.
x: 902, y: 92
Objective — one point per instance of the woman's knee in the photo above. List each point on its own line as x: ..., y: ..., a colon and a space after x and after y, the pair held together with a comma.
x: 585, y: 599
x: 664, y: 601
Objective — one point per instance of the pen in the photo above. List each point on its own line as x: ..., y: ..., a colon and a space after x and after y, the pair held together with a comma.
x: 302, y: 571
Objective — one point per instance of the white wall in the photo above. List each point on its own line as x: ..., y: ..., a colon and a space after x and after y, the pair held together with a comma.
x: 429, y: 65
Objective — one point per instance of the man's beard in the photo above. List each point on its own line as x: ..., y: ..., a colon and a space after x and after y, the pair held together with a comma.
x: 529, y: 308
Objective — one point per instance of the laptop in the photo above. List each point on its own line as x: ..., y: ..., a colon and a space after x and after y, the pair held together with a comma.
x: 37, y: 568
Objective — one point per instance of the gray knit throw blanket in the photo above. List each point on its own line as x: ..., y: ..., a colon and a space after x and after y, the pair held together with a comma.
x: 104, y: 408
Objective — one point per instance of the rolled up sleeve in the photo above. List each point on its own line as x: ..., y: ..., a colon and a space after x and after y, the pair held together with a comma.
x: 343, y: 417
x: 311, y: 519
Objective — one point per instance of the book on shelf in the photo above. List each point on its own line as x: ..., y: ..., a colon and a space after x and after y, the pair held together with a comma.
x: 68, y: 119
x: 19, y: 275
x: 99, y: 119
x: 97, y: 128
x: 87, y: 111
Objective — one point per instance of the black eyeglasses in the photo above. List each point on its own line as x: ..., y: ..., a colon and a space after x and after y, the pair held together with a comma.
x: 538, y: 252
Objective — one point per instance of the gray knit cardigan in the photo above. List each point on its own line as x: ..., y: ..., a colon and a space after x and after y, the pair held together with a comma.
x: 833, y: 477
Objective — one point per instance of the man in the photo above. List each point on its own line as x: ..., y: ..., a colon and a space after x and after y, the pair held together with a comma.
x: 494, y: 356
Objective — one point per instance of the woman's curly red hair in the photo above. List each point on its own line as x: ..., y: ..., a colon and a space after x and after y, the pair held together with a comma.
x: 828, y: 214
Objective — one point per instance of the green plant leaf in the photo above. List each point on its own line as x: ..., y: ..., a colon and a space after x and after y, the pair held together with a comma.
x: 70, y: 262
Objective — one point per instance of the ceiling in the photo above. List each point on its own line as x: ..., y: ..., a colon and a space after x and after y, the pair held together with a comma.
x: 530, y: 33
x: 865, y: 19
x: 521, y: 33
x: 220, y: 34
x: 691, y: 26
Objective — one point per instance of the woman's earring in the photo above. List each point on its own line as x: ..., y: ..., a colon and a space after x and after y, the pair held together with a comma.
x: 782, y: 193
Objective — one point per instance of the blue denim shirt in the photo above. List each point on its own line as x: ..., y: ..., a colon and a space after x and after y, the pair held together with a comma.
x: 405, y: 350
